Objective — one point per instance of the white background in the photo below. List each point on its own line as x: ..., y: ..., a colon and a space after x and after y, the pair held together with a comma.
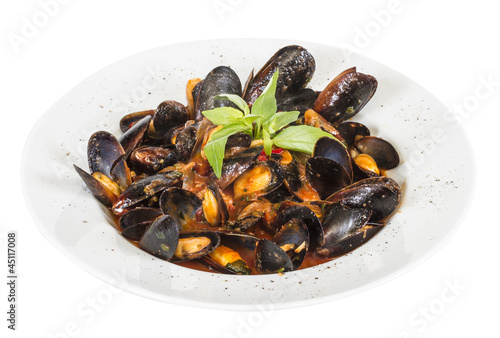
x: 446, y: 46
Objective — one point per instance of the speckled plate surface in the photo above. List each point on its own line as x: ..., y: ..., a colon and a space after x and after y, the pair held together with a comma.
x: 437, y: 175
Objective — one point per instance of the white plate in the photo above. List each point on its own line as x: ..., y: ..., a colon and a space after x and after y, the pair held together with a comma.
x: 436, y: 190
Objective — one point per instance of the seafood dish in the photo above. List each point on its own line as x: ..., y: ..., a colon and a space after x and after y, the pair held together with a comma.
x: 266, y: 177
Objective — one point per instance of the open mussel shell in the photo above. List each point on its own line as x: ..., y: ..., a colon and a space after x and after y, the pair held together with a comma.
x: 270, y: 258
x: 301, y: 100
x: 260, y: 179
x: 349, y: 130
x: 293, y: 238
x: 168, y: 115
x: 351, y: 242
x: 380, y: 150
x: 296, y: 68
x: 134, y: 222
x: 251, y: 215
x: 340, y: 223
x: 145, y: 188
x: 181, y: 204
x: 99, y: 190
x: 103, y: 151
x: 334, y: 150
x: 235, y: 165
x: 214, y: 207
x: 294, y: 211
x: 221, y: 80
x: 185, y: 141
x: 132, y: 138
x: 161, y: 238
x: 365, y: 166
x: 378, y: 194
x: 149, y: 159
x: 195, y: 244
x: 326, y: 176
x: 129, y: 120
x: 345, y: 96
x: 240, y: 140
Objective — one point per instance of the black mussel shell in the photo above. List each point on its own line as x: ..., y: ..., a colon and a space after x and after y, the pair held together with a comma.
x: 380, y: 150
x: 102, y: 152
x: 235, y: 165
x: 245, y: 223
x: 350, y: 243
x: 245, y: 185
x: 120, y: 173
x: 296, y: 68
x: 161, y: 238
x: 326, y: 176
x: 221, y: 80
x: 184, y: 255
x: 349, y: 130
x: 293, y: 238
x: 181, y: 204
x: 341, y: 222
x: 129, y: 120
x: 333, y: 150
x: 214, y: 194
x: 168, y: 115
x: 99, y: 190
x: 133, y: 137
x: 238, y: 140
x: 138, y: 215
x: 302, y: 98
x: 379, y: 194
x: 149, y: 159
x: 345, y: 96
x: 145, y: 188
x: 270, y: 258
x: 290, y: 210
x: 185, y: 141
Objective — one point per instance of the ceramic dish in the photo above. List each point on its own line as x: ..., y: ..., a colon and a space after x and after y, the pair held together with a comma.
x: 436, y: 174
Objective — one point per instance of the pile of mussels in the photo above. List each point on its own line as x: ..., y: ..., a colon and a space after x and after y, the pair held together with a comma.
x: 265, y: 214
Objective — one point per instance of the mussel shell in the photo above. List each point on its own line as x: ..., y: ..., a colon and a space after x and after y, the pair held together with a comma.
x: 296, y: 68
x: 380, y: 150
x: 275, y: 181
x: 145, y: 188
x: 131, y: 119
x: 294, y: 233
x: 222, y: 211
x: 333, y: 150
x: 133, y: 136
x: 214, y: 240
x: 349, y: 130
x: 221, y: 80
x: 138, y: 215
x: 120, y: 173
x: 238, y: 140
x: 379, y: 194
x: 341, y: 222
x: 196, y: 92
x: 280, y: 194
x: 245, y: 223
x: 97, y: 189
x: 168, y: 115
x: 136, y: 231
x: 185, y: 141
x: 290, y: 210
x: 161, y: 238
x: 350, y: 243
x: 237, y: 240
x: 345, y: 96
x: 302, y: 98
x: 326, y: 176
x: 181, y: 204
x: 291, y: 176
x: 270, y: 258
x: 235, y: 165
x: 149, y: 160
x: 102, y: 152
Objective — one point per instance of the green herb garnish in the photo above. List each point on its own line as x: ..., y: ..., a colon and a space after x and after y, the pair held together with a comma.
x: 260, y: 122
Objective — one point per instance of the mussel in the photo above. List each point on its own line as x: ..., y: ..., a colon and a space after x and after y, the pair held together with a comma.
x: 181, y: 204
x: 293, y: 238
x: 345, y: 96
x: 134, y: 222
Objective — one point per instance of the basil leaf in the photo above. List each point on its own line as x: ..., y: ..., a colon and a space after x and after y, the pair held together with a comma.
x: 223, y: 115
x: 300, y: 138
x: 265, y: 105
x: 281, y: 120
x: 268, y: 143
x: 215, y: 148
x: 238, y: 101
